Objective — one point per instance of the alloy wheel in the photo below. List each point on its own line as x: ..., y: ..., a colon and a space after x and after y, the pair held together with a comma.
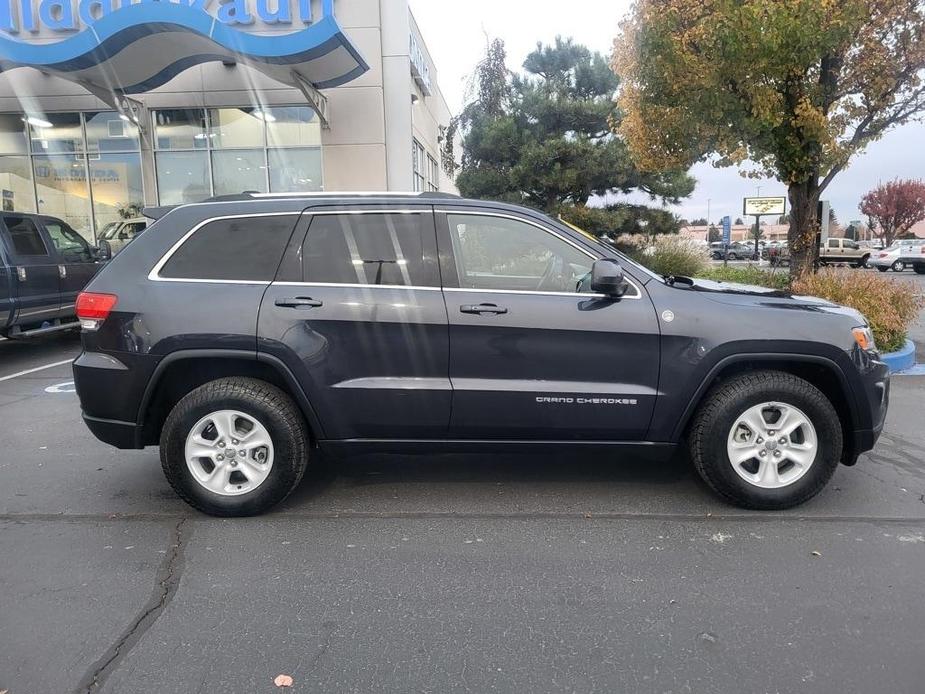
x: 229, y: 453
x: 772, y: 445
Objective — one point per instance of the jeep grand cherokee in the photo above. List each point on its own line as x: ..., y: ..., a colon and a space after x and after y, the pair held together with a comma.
x: 244, y: 335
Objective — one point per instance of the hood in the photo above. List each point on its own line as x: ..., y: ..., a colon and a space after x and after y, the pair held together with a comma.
x: 731, y: 293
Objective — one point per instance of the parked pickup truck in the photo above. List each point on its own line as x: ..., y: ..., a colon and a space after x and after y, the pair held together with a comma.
x: 834, y: 251
x: 44, y: 264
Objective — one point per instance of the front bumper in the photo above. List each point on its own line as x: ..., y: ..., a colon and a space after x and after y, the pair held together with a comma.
x: 873, y: 400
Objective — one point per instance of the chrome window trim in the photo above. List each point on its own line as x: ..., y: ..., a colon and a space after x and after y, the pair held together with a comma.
x: 340, y: 285
x: 526, y: 220
x: 155, y: 275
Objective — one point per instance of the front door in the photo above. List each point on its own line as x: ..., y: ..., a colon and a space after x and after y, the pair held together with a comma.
x: 531, y: 357
x: 76, y: 263
x: 34, y: 269
x: 357, y: 315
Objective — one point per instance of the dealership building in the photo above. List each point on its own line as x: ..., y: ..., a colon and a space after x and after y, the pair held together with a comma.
x: 107, y: 106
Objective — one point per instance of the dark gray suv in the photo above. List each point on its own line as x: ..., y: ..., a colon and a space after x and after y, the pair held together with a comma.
x: 241, y: 335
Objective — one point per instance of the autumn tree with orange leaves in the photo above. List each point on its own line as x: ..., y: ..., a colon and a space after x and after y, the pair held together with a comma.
x: 797, y: 87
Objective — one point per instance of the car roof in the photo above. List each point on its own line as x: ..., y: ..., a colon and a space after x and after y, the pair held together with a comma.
x: 256, y: 202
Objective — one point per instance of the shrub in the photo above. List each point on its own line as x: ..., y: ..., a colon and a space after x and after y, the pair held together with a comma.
x: 890, y: 307
x: 749, y: 274
x: 666, y: 255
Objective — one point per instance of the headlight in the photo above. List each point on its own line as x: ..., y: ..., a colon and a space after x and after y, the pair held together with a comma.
x: 865, y: 339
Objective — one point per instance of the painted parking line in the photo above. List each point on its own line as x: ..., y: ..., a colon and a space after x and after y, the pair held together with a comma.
x: 917, y: 370
x: 36, y: 369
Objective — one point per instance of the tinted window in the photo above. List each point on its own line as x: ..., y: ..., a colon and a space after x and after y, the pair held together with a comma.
x: 25, y: 236
x: 366, y: 249
x: 248, y: 248
x: 506, y: 254
x: 68, y: 242
x: 833, y: 243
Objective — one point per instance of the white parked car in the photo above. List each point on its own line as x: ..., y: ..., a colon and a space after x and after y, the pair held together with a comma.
x: 117, y: 235
x: 899, y: 256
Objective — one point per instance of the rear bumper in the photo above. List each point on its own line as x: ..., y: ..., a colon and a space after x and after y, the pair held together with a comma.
x: 123, y: 435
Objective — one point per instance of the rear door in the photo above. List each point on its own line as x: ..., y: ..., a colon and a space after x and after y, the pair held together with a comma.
x: 357, y: 314
x: 76, y: 262
x: 531, y: 357
x: 34, y: 269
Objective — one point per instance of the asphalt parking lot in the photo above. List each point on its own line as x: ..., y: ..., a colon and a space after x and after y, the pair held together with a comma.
x: 448, y: 573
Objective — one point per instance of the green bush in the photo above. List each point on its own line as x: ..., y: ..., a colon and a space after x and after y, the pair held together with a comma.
x: 749, y: 274
x: 666, y: 255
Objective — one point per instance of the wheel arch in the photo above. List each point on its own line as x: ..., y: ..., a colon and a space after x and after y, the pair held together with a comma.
x: 180, y: 372
x: 820, y: 371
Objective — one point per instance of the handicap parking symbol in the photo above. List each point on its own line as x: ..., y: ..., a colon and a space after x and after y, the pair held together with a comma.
x: 66, y: 387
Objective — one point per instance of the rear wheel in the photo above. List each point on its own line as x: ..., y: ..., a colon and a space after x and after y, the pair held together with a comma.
x: 766, y: 440
x: 234, y: 447
x: 882, y: 269
x: 899, y: 266
x: 863, y: 262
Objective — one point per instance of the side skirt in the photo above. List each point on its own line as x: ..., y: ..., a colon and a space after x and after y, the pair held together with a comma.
x: 646, y: 450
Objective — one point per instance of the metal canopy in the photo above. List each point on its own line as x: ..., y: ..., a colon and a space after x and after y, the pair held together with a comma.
x: 140, y: 47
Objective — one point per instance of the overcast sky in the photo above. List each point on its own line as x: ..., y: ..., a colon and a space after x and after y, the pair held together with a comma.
x: 455, y: 33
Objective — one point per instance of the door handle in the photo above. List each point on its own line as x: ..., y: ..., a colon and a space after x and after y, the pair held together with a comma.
x: 483, y: 308
x: 62, y: 271
x: 299, y: 302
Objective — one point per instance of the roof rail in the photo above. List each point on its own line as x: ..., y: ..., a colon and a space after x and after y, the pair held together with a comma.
x: 255, y: 195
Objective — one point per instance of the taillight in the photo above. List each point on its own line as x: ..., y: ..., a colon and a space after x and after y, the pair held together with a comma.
x: 884, y: 255
x: 93, y: 309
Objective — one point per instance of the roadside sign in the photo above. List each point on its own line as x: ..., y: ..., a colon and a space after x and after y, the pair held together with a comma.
x: 727, y: 230
x: 759, y: 207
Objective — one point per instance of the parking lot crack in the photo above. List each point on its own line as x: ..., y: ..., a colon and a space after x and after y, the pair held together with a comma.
x: 167, y: 582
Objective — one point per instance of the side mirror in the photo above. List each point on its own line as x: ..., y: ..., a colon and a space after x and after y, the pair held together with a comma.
x: 102, y: 252
x: 607, y: 278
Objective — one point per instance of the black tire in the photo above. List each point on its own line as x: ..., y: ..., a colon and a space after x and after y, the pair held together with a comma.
x: 919, y: 269
x: 862, y: 263
x: 882, y: 269
x: 898, y: 266
x: 273, y: 409
x: 725, y: 404
x: 733, y: 256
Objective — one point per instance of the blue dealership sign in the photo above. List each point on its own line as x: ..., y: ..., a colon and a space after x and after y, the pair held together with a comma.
x: 142, y: 45
x: 727, y: 230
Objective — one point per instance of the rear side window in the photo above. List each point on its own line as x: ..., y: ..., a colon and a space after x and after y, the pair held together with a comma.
x: 377, y: 249
x: 25, y: 236
x: 245, y: 249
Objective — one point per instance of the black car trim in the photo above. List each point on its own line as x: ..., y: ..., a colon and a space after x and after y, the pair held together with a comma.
x: 182, y: 355
x: 708, y: 380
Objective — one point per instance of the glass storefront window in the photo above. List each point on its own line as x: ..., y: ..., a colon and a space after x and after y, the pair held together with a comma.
x: 182, y: 177
x: 239, y: 170
x: 115, y: 179
x: 180, y: 129
x: 61, y: 184
x: 16, y: 191
x: 56, y: 133
x: 292, y: 126
x: 295, y: 169
x: 110, y: 131
x: 236, y: 127
x: 12, y: 134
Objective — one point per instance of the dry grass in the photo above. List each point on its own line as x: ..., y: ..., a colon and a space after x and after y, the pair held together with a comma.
x: 890, y: 307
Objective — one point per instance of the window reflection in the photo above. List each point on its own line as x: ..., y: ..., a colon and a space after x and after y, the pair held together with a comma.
x: 295, y: 169
x: 236, y: 171
x: 61, y: 185
x: 182, y: 177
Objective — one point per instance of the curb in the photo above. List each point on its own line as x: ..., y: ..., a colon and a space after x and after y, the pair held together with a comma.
x: 901, y: 360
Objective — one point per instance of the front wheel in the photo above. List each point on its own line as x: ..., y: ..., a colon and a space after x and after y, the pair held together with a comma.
x: 899, y: 266
x: 766, y: 440
x: 234, y: 447
x: 882, y: 269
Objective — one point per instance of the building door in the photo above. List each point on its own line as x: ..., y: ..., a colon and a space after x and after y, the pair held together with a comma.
x: 531, y: 357
x: 34, y: 268
x: 357, y: 315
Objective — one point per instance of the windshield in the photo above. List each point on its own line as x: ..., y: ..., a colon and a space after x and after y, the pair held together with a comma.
x: 109, y: 231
